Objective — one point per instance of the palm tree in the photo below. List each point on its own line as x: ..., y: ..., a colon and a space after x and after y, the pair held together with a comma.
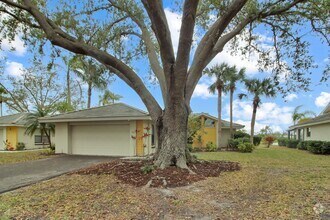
x: 33, y: 124
x: 297, y: 116
x: 93, y: 74
x: 258, y: 88
x: 108, y: 97
x: 233, y: 77
x: 220, y: 72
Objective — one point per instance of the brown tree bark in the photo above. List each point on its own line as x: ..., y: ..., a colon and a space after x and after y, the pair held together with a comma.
x: 172, y: 136
x: 253, y: 120
x: 68, y: 85
x: 231, y: 112
x: 89, y: 94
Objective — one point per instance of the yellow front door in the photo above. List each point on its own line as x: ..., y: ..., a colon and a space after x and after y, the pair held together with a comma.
x: 139, y: 138
x: 11, y: 136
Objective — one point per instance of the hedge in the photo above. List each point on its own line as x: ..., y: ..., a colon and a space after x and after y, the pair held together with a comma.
x: 256, y: 140
x: 282, y: 141
x: 292, y: 143
x: 233, y: 143
x: 318, y: 147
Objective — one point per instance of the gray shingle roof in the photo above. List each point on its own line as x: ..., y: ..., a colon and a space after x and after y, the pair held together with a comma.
x: 12, y: 120
x: 107, y: 112
x: 225, y: 124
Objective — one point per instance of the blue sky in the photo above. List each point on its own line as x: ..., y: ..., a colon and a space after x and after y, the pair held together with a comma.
x: 275, y: 112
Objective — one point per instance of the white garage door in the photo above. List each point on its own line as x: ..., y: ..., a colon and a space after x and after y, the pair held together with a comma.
x: 110, y: 140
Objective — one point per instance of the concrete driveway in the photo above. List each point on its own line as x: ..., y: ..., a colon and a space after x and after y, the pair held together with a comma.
x: 13, y: 176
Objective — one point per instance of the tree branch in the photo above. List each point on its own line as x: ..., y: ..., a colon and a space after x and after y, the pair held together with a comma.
x: 160, y: 27
x: 151, y: 49
x: 185, y: 40
x: 62, y: 39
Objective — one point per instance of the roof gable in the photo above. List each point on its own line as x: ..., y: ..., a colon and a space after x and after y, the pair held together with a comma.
x: 225, y: 124
x: 112, y: 111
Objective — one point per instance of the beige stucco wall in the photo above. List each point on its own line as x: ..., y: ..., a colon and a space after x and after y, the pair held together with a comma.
x: 318, y: 132
x: 225, y: 136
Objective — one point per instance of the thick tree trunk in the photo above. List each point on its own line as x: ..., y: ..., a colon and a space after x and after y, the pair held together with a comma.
x: 172, y: 136
x: 89, y: 95
x: 253, y: 121
x: 231, y: 113
x: 219, y: 117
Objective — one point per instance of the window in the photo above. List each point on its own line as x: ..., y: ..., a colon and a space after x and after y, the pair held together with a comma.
x: 209, y: 123
x: 152, y: 135
x: 309, y: 133
x: 38, y: 139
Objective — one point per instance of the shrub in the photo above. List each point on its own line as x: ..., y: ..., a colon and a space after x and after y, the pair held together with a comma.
x: 233, y: 143
x: 256, y: 140
x: 147, y: 168
x: 245, y: 147
x: 302, y: 145
x: 292, y: 143
x: 269, y: 140
x: 241, y: 134
x: 282, y: 141
x: 52, y: 147
x: 210, y: 147
x: 318, y: 147
x: 20, y: 146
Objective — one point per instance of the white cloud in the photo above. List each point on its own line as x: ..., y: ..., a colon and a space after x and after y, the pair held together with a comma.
x: 291, y: 97
x: 322, y: 100
x: 258, y: 126
x: 269, y: 113
x: 202, y: 91
x: 14, y: 69
x: 17, y: 45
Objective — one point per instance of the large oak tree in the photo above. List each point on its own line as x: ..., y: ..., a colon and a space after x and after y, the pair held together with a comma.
x: 116, y: 32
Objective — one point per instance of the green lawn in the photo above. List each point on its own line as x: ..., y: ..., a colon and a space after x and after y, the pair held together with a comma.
x: 275, y: 183
x: 16, y: 157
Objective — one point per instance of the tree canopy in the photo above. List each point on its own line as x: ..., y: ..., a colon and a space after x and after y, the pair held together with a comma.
x: 119, y: 33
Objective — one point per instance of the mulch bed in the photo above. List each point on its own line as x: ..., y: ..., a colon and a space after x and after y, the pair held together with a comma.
x: 130, y: 172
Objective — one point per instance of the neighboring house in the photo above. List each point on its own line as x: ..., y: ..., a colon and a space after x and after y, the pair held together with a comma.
x: 113, y: 130
x: 209, y: 131
x: 12, y: 130
x: 317, y: 128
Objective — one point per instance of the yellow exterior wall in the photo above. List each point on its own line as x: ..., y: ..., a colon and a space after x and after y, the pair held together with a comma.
x: 139, y: 138
x: 11, y: 135
x: 208, y: 134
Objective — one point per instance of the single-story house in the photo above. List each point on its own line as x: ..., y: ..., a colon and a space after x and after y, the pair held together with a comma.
x: 12, y: 131
x: 115, y: 130
x: 209, y: 131
x: 317, y: 129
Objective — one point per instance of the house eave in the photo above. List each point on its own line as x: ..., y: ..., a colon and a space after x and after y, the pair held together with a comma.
x: 11, y: 125
x: 91, y: 119
x: 308, y: 124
